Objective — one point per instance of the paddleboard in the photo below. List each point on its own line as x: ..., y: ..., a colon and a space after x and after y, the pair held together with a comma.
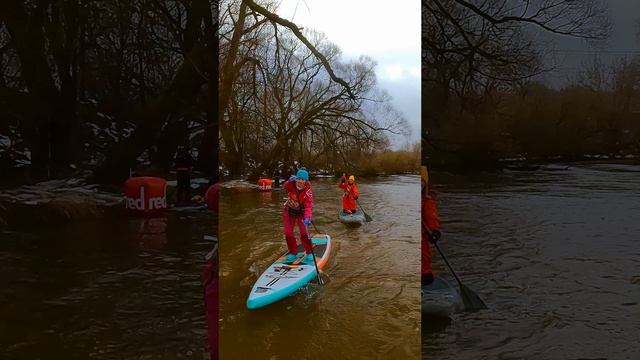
x: 440, y: 298
x: 282, y: 279
x: 188, y: 207
x: 357, y: 218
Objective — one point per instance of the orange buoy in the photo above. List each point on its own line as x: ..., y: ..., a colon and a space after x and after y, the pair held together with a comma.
x: 264, y: 184
x: 146, y: 196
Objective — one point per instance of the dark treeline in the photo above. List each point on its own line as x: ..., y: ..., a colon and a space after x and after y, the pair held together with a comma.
x: 106, y: 85
x: 481, y: 102
x: 539, y: 123
x: 285, y: 95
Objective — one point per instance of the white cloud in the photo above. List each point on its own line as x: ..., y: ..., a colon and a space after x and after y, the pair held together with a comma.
x: 392, y: 72
x: 415, y: 72
x: 360, y: 26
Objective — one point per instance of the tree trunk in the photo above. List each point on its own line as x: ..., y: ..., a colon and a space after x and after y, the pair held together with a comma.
x: 152, y: 116
x: 28, y: 38
x: 209, y: 146
x: 178, y: 99
x: 52, y: 131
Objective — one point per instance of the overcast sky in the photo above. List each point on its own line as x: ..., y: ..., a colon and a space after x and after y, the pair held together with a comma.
x: 387, y: 31
x: 571, y: 54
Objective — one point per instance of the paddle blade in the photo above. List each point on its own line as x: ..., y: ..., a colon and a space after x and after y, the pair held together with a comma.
x: 471, y: 300
x: 367, y: 218
x: 323, y: 278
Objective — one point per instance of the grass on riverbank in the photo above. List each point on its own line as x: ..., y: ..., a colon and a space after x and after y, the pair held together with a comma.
x: 406, y: 161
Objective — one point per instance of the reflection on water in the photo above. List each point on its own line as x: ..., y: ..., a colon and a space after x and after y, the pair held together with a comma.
x: 553, y: 254
x: 114, y: 289
x: 371, y: 307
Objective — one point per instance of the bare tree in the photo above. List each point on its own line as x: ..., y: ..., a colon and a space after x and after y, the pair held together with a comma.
x: 142, y: 73
x: 285, y: 93
x: 470, y: 45
x: 161, y: 119
x: 626, y: 83
x: 473, y: 50
x: 44, y: 36
x: 595, y: 76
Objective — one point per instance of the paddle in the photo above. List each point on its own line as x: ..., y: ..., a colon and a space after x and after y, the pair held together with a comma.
x: 367, y: 218
x: 313, y: 255
x: 213, y: 251
x: 471, y: 300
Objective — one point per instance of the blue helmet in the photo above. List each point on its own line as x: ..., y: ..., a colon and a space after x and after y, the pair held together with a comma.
x: 302, y: 174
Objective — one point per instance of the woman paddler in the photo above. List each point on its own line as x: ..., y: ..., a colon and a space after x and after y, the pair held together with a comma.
x: 297, y: 210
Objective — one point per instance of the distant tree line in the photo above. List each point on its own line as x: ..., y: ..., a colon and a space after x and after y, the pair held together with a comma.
x: 480, y: 98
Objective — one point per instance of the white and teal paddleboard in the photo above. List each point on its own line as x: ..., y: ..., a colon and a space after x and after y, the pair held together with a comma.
x: 282, y: 279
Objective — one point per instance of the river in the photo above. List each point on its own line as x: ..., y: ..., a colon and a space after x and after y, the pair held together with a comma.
x: 554, y: 254
x: 370, y: 308
x: 108, y: 289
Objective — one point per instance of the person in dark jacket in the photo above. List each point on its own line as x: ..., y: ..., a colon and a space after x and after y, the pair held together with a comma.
x: 183, y: 164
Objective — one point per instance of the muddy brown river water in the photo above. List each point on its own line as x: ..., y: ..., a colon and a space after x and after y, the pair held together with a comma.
x: 370, y: 309
x: 554, y: 254
x: 109, y: 289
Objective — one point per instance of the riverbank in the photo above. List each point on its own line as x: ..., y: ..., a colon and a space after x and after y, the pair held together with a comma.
x: 69, y: 200
x: 56, y: 201
x: 246, y: 184
x: 462, y: 163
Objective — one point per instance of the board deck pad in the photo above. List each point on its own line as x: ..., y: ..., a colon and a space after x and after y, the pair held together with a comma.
x: 282, y: 279
x: 357, y: 218
x: 440, y: 298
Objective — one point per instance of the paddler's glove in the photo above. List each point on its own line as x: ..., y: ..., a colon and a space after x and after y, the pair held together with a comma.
x: 306, y: 222
x: 292, y: 178
x: 434, y: 236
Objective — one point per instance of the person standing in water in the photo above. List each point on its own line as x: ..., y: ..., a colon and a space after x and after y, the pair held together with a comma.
x: 350, y: 194
x: 430, y: 226
x: 277, y: 175
x: 297, y: 210
x: 183, y: 164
